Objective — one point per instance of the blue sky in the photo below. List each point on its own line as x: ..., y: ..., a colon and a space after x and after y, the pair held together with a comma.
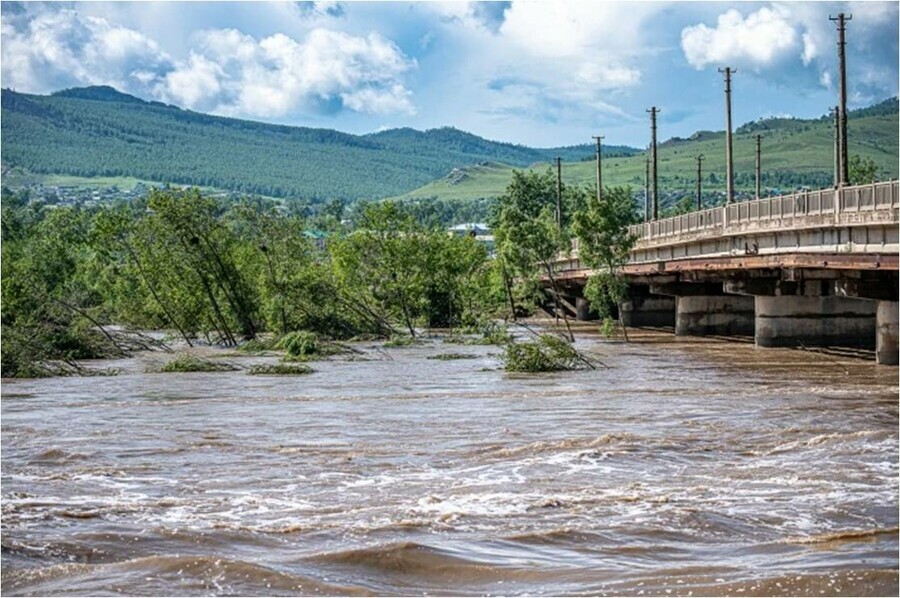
x: 538, y: 73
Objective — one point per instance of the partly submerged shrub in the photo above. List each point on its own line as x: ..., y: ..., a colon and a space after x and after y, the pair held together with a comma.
x: 400, y: 341
x: 491, y: 334
x: 496, y: 334
x: 191, y: 363
x: 280, y: 369
x: 547, y: 353
x: 300, y: 344
x: 452, y: 356
x: 257, y: 345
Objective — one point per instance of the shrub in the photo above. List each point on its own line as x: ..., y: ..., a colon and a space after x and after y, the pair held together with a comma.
x: 400, y: 341
x: 452, y: 356
x: 190, y: 363
x: 257, y: 345
x: 301, y: 344
x: 280, y: 369
x: 546, y: 354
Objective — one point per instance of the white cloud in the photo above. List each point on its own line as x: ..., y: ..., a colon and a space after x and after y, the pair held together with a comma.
x: 232, y: 73
x: 759, y: 40
x: 60, y: 48
x: 565, y: 61
x: 810, y: 49
x: 226, y: 71
x: 196, y: 83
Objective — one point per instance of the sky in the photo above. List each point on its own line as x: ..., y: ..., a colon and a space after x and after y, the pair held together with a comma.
x: 538, y: 73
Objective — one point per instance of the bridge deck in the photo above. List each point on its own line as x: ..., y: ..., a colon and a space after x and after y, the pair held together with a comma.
x: 852, y: 228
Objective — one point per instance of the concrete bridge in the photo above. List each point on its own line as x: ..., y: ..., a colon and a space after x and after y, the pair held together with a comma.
x: 816, y: 268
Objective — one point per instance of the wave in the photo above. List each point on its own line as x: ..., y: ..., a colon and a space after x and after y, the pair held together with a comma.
x: 408, y: 557
x: 841, y: 536
x: 167, y: 575
x: 820, y: 439
x: 56, y: 455
x: 542, y: 446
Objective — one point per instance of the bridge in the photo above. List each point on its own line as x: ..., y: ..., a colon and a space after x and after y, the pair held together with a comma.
x: 815, y: 268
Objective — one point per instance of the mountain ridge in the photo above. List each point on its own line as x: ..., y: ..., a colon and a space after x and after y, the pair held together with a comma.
x: 99, y: 131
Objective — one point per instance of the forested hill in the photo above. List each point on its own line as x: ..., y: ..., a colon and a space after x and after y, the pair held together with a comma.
x: 98, y: 131
x: 795, y: 152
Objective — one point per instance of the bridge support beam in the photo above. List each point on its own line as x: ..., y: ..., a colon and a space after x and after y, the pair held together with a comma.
x: 648, y: 310
x: 702, y: 315
x: 582, y: 309
x: 798, y: 320
x: 886, y: 336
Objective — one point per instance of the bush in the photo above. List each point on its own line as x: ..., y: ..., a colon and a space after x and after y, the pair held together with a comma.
x: 301, y: 344
x: 280, y: 369
x: 491, y: 334
x: 400, y: 341
x: 547, y: 354
x: 452, y: 356
x: 189, y: 363
x: 258, y: 345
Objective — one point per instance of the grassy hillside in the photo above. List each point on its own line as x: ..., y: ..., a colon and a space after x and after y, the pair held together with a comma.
x: 100, y: 132
x: 794, y: 152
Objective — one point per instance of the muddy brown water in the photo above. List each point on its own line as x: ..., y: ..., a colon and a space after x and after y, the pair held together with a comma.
x: 698, y: 467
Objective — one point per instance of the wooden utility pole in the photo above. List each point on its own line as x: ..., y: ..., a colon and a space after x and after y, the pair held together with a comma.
x: 646, y: 189
x: 559, y: 214
x: 653, y: 112
x: 842, y: 65
x: 597, y: 138
x: 837, y: 146
x: 699, y: 179
x: 758, y: 165
x: 729, y: 156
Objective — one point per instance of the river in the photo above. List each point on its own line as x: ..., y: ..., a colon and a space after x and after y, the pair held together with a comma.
x: 685, y: 467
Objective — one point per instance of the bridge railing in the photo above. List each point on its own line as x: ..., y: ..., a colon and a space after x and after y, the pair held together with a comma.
x: 822, y: 202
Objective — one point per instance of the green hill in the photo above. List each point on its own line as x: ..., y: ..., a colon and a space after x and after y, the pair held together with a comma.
x: 794, y: 152
x: 98, y: 132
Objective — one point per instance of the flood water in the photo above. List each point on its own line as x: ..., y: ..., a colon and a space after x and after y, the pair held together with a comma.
x: 687, y: 467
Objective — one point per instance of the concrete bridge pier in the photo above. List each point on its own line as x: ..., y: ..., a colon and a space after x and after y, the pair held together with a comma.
x: 702, y: 309
x: 644, y: 309
x: 886, y: 339
x: 704, y: 315
x: 583, y: 309
x: 798, y: 320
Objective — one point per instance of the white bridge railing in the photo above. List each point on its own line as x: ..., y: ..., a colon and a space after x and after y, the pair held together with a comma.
x: 773, y: 210
x: 719, y: 231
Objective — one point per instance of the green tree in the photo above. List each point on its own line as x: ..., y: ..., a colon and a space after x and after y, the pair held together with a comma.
x: 604, y: 244
x: 527, y: 235
x: 862, y: 171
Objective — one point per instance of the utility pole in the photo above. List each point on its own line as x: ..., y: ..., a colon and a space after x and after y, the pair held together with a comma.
x: 729, y: 157
x: 842, y: 65
x: 758, y: 164
x: 559, y: 215
x: 653, y: 112
x: 597, y: 138
x: 699, y: 179
x: 646, y: 189
x: 837, y: 145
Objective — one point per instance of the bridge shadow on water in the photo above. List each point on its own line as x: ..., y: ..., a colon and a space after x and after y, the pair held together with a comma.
x: 665, y: 335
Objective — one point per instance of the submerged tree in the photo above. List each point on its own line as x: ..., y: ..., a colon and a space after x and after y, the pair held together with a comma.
x: 528, y: 234
x: 604, y: 244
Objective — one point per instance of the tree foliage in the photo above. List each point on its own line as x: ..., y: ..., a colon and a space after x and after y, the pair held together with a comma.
x: 222, y: 273
x: 604, y: 244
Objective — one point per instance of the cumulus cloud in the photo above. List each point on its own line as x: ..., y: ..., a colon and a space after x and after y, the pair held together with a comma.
x: 794, y: 43
x: 759, y: 40
x: 59, y: 48
x: 277, y: 75
x: 226, y: 71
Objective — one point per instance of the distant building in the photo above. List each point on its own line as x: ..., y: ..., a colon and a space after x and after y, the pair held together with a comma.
x: 479, y: 230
